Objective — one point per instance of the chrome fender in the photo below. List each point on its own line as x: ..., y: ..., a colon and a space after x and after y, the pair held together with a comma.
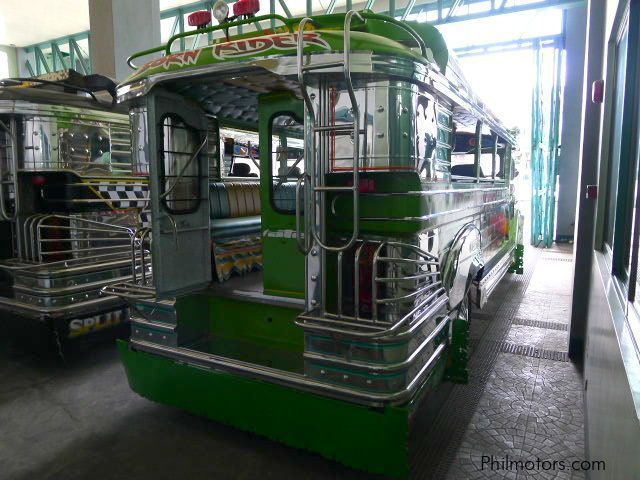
x: 461, y: 263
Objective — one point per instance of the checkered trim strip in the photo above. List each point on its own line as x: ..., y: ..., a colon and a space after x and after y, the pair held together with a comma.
x: 122, y: 195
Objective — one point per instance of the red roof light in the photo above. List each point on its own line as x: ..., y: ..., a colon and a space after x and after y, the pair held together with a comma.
x: 246, y: 7
x: 199, y: 19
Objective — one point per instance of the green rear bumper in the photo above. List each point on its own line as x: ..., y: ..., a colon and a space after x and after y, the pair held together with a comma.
x: 375, y: 440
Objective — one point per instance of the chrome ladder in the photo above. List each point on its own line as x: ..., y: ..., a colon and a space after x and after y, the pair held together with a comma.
x: 317, y: 166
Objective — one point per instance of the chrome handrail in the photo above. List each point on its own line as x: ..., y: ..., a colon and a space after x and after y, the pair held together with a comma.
x: 425, y: 281
x: 129, y: 292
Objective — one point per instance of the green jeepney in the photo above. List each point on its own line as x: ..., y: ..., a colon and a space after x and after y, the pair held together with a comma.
x: 325, y: 206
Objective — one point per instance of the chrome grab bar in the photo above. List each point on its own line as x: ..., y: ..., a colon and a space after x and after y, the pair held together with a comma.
x: 384, y: 18
x: 429, y: 260
x: 138, y: 240
x: 12, y: 163
x: 40, y: 226
x: 306, y: 246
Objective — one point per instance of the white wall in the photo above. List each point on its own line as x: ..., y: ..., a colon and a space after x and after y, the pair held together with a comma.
x: 8, y: 61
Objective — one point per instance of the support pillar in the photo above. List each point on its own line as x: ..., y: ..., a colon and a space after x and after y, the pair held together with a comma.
x: 587, y: 175
x: 568, y: 164
x: 118, y: 29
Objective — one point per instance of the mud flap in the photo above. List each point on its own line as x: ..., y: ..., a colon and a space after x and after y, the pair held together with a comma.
x: 456, y: 371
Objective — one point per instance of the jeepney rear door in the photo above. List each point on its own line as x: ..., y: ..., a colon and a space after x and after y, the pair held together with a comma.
x: 179, y: 144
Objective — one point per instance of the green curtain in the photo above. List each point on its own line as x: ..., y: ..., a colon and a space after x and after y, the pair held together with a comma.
x: 545, y: 134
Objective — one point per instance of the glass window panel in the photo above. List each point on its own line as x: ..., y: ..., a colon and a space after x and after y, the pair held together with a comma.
x: 240, y: 153
x: 616, y: 138
x: 464, y: 146
x: 287, y: 160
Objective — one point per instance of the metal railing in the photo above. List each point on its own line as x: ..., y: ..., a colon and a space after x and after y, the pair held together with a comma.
x: 141, y: 286
x: 412, y: 288
x: 53, y: 238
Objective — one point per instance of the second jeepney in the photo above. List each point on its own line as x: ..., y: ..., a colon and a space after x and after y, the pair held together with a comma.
x: 70, y: 203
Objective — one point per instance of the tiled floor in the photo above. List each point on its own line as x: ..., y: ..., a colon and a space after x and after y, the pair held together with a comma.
x: 531, y: 408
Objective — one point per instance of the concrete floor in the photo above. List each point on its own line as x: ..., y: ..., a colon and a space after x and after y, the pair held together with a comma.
x: 79, y: 420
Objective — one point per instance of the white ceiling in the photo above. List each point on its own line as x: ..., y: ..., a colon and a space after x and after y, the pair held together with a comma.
x: 25, y: 22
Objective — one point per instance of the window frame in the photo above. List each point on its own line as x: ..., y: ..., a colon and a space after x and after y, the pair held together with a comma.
x: 622, y: 255
x: 161, y: 164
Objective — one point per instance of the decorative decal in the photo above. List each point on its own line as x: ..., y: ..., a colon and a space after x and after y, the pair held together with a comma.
x: 251, y: 46
x: 182, y: 59
x: 83, y: 326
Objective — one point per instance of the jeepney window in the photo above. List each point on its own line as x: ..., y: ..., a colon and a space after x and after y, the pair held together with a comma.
x: 492, y: 157
x: 509, y: 164
x: 463, y: 154
x: 180, y: 175
x: 503, y: 158
x: 486, y: 164
x: 241, y: 154
x: 287, y: 160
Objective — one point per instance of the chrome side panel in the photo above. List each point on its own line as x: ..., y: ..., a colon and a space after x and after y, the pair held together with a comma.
x: 74, y: 143
x: 483, y: 287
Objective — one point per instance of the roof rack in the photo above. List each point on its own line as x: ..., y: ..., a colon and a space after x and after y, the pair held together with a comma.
x: 289, y: 23
x: 223, y: 26
x: 69, y: 80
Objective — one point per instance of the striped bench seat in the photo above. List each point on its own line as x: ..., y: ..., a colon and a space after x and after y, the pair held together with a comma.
x: 235, y: 228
